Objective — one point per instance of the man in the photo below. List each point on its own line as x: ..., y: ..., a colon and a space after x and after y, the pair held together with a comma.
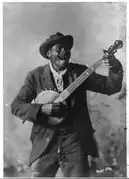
x: 62, y: 143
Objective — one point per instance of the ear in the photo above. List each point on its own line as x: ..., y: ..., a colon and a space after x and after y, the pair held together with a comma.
x: 49, y: 54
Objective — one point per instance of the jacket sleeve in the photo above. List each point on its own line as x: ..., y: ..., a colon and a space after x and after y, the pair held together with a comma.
x: 21, y: 105
x: 110, y: 84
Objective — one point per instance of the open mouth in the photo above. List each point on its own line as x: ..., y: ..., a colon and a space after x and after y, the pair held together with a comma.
x: 63, y: 57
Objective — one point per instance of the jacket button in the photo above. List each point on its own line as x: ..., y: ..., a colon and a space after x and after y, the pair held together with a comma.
x: 47, y: 139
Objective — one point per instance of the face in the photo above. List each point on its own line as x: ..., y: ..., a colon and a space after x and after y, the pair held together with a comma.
x: 59, y: 55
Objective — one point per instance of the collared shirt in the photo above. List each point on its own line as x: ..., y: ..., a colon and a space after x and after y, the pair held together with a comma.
x: 58, y: 77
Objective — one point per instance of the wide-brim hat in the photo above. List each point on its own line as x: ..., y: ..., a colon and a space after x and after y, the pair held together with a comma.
x: 53, y: 40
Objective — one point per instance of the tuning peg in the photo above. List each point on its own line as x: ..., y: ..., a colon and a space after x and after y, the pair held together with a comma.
x: 105, y: 51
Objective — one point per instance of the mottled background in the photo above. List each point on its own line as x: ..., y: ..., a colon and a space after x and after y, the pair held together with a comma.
x: 94, y: 26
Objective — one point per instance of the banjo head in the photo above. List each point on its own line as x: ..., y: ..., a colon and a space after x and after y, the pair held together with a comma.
x: 47, y: 96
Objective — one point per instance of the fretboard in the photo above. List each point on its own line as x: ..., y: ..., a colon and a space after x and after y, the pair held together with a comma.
x: 73, y: 86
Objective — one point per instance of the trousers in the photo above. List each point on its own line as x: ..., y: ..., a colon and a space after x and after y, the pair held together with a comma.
x: 64, y: 151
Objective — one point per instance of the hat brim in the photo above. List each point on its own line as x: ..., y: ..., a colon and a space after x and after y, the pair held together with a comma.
x: 44, y: 48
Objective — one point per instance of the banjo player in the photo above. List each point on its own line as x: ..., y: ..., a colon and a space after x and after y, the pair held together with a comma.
x: 62, y: 132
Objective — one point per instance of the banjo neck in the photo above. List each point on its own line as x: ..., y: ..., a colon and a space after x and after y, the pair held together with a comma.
x: 73, y: 86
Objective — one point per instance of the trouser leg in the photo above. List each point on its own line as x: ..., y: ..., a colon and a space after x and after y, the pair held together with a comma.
x: 77, y: 169
x: 72, y: 159
x: 44, y: 168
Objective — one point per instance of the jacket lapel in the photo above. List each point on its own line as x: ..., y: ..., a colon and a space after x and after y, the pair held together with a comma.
x: 71, y: 75
x: 48, y: 80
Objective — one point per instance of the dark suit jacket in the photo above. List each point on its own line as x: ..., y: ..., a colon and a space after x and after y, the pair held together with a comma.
x: 41, y: 79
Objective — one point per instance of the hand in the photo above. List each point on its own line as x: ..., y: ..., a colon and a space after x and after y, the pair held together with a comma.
x: 108, y: 60
x: 54, y: 109
x: 112, y: 63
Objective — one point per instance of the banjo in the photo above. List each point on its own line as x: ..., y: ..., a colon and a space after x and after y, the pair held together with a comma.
x: 50, y: 96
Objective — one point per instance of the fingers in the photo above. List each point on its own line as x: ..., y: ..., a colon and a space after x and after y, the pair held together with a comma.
x: 54, y: 109
x: 106, y: 63
x: 59, y: 105
x: 58, y: 108
x: 46, y: 108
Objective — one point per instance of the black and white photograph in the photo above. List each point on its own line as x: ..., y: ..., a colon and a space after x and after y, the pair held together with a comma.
x: 64, y: 89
